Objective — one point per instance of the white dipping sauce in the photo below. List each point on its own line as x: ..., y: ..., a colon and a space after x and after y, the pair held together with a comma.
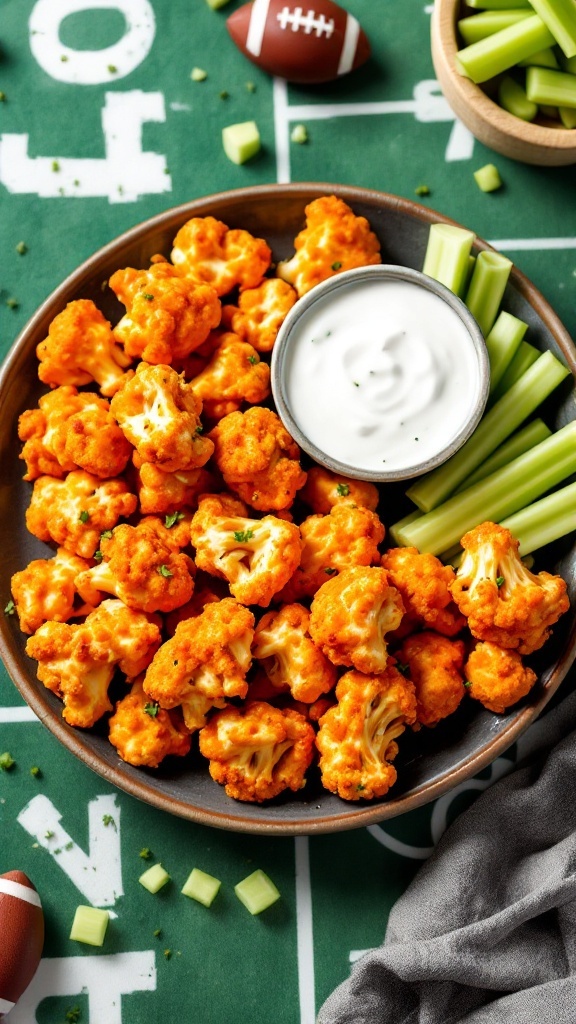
x: 381, y: 374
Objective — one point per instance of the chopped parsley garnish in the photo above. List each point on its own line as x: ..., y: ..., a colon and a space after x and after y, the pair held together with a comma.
x: 329, y: 571
x: 12, y: 303
x: 403, y: 667
x: 252, y: 359
x: 145, y: 853
x: 172, y: 518
x: 6, y: 761
x: 336, y: 265
x: 151, y: 709
x: 106, y: 535
x: 55, y: 165
x: 112, y: 69
x: 157, y: 933
x: 467, y: 684
x: 243, y: 535
x: 98, y: 556
x: 199, y: 429
x: 48, y: 834
x: 499, y: 581
x: 167, y: 953
x: 164, y: 571
x: 73, y: 1015
x: 342, y: 490
x: 147, y: 296
x: 84, y: 516
x: 360, y: 786
x: 21, y: 248
x: 107, y: 819
x: 10, y: 608
x: 355, y: 383
x: 224, y: 94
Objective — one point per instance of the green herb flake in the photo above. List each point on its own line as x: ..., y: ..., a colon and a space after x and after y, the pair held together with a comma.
x: 157, y: 933
x: 35, y: 771
x: 10, y: 608
x: 167, y: 953
x: 2, y: 97
x: 145, y: 853
x: 147, y: 296
x: 21, y: 248
x: 84, y: 516
x: 172, y: 518
x: 243, y: 535
x: 64, y: 58
x: 356, y: 385
x: 224, y: 94
x: 49, y: 834
x: 107, y: 535
x: 360, y: 786
x: 422, y: 190
x: 55, y: 165
x: 342, y: 490
x: 337, y: 265
x: 330, y: 571
x: 107, y: 819
x: 98, y: 556
x: 403, y: 668
x: 164, y: 571
x: 250, y: 87
x: 199, y: 429
x: 252, y: 360
x: 152, y: 709
x: 73, y: 1015
x: 467, y: 684
x: 499, y: 581
x: 12, y: 303
x: 69, y: 846
x: 112, y: 69
x: 7, y: 762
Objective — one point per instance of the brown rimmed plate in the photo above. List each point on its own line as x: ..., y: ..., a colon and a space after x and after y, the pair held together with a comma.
x: 430, y: 762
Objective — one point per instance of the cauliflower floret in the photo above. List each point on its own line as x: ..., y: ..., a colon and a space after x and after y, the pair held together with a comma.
x: 351, y: 615
x: 261, y: 312
x: 258, y: 751
x: 80, y: 348
x: 497, y: 676
x: 144, y: 733
x: 204, y: 663
x: 233, y: 375
x: 256, y: 556
x: 334, y: 240
x: 143, y: 566
x: 167, y: 316
x: 324, y: 489
x: 45, y: 592
x: 424, y: 583
x: 160, y: 415
x: 159, y: 491
x: 348, y: 536
x: 435, y: 667
x: 77, y: 662
x: 207, y: 590
x: 290, y: 657
x: 74, y: 512
x: 258, y: 459
x: 357, y: 737
x: 207, y: 251
x: 502, y: 600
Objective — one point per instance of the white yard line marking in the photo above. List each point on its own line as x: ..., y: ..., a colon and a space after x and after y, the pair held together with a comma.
x: 397, y: 846
x: 281, y: 124
x: 304, y: 933
x: 528, y: 244
x: 22, y: 713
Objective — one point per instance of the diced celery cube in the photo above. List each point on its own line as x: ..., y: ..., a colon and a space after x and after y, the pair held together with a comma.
x: 257, y: 892
x: 202, y: 887
x: 299, y: 134
x: 241, y: 141
x: 487, y: 178
x: 89, y: 925
x: 198, y: 75
x: 154, y: 878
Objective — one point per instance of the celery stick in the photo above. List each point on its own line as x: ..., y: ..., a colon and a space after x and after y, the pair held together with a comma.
x: 501, y: 494
x: 484, y: 295
x: 557, y: 88
x: 543, y: 59
x: 447, y: 255
x: 410, y: 518
x: 502, y: 344
x: 526, y: 355
x: 479, y: 26
x: 488, y: 57
x: 497, y: 5
x: 520, y: 442
x: 560, y: 17
x: 512, y: 97
x: 568, y: 116
x: 495, y: 426
x: 545, y: 520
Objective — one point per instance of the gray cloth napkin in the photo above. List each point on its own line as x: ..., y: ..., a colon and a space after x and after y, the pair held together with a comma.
x: 486, y: 932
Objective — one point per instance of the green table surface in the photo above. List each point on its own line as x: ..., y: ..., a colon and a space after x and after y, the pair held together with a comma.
x: 91, y: 143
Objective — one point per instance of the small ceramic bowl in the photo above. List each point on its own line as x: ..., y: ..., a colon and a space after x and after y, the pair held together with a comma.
x: 528, y: 142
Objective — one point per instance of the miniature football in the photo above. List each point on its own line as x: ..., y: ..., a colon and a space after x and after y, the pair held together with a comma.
x: 21, y: 936
x: 300, y: 43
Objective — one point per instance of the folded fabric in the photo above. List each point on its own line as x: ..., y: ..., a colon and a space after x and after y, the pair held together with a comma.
x: 486, y: 932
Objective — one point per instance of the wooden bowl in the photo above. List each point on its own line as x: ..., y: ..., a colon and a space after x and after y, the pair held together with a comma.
x: 489, y: 123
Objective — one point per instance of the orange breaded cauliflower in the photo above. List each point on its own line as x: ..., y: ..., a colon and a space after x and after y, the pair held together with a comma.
x: 167, y: 316
x: 77, y: 662
x: 204, y: 663
x: 357, y: 737
x: 351, y: 615
x: 258, y: 459
x: 497, y: 676
x: 334, y: 240
x: 81, y: 348
x: 256, y: 556
x: 324, y: 489
x: 261, y: 312
x: 74, y: 512
x: 45, y: 591
x: 435, y: 666
x: 424, y: 583
x: 233, y: 375
x: 72, y: 430
x: 258, y: 751
x: 289, y: 655
x: 143, y: 566
x: 348, y: 536
x: 502, y: 600
x: 144, y: 733
x: 160, y: 415
x: 209, y: 252
x: 159, y: 491
x: 207, y: 590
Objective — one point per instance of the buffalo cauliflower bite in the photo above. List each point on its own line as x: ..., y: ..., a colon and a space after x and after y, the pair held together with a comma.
x: 424, y: 583
x: 357, y: 737
x: 74, y: 512
x: 209, y: 252
x: 204, y: 663
x: 167, y: 316
x: 233, y: 375
x: 502, y: 600
x: 351, y: 615
x: 258, y: 459
x: 144, y: 733
x: 45, y: 590
x: 333, y: 240
x: 163, y: 492
x: 160, y: 415
x: 256, y: 556
x: 497, y: 677
x: 258, y: 751
x: 81, y: 348
x: 261, y: 312
x: 77, y: 662
x: 324, y: 489
x: 289, y: 655
x: 434, y: 665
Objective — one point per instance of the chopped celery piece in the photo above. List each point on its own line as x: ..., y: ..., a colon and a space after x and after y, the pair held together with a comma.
x: 502, y: 344
x: 486, y: 288
x: 447, y: 255
x: 520, y: 442
x: 257, y: 892
x: 479, y: 26
x: 241, y: 141
x: 488, y: 57
x: 154, y: 878
x: 198, y: 75
x: 568, y: 116
x: 557, y: 88
x: 89, y: 925
x: 202, y: 887
x: 560, y: 17
x: 526, y: 355
x: 497, y: 5
x: 512, y: 97
x: 543, y: 59
x: 545, y: 520
x: 488, y: 178
x: 299, y: 134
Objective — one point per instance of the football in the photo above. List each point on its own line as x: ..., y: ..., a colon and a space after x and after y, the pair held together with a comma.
x: 304, y: 44
x: 22, y: 935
